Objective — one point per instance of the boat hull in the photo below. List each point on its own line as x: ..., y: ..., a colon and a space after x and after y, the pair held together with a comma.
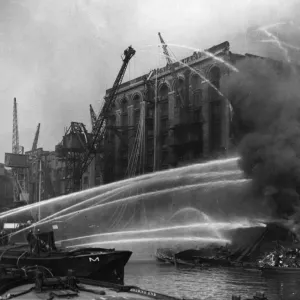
x: 98, y: 265
x: 280, y: 270
x: 166, y: 260
x: 213, y: 262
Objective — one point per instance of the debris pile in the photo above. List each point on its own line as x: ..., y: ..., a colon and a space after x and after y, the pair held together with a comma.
x: 281, y: 257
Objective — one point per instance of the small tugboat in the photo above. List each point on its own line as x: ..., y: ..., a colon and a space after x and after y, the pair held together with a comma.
x: 208, y: 257
x: 214, y: 256
x: 164, y: 255
x: 94, y: 263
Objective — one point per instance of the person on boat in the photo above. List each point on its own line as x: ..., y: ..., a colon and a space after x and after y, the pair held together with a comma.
x: 42, y: 245
x: 4, y: 239
x: 33, y: 242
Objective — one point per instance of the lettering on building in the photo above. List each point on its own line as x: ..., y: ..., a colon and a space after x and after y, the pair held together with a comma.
x: 133, y: 81
x: 186, y: 60
x: 93, y: 259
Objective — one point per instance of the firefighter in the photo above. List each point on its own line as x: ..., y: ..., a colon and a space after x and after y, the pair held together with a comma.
x: 3, y: 238
x: 41, y: 244
x: 127, y: 50
x: 33, y: 242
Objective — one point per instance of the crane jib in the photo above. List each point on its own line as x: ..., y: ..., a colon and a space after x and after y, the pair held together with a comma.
x: 99, y: 130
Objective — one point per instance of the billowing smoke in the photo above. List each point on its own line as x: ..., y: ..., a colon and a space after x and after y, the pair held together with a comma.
x: 265, y: 96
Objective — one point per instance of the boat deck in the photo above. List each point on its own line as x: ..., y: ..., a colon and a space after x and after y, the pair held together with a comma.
x: 13, y: 285
x: 100, y: 293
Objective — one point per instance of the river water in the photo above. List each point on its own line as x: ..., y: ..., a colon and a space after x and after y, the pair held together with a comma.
x: 214, y: 283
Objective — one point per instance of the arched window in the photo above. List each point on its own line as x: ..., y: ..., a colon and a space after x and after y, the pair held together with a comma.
x: 137, y: 101
x: 179, y: 93
x: 196, y: 90
x: 163, y: 122
x: 112, y: 120
x: 163, y: 92
x: 164, y: 100
x: 136, y: 109
x: 215, y: 110
x: 214, y: 78
x: 124, y: 112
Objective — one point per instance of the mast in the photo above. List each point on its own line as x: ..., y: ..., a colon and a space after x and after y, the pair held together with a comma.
x: 40, y: 188
x: 15, y: 137
x: 143, y: 111
x: 155, y: 126
x: 155, y: 114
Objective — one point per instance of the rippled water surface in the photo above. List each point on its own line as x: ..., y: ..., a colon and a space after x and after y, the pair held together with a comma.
x: 216, y: 283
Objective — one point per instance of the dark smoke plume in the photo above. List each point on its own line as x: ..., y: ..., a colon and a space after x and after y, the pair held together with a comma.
x: 265, y: 97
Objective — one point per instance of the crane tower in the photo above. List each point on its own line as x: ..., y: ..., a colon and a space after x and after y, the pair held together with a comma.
x: 18, y: 162
x: 80, y: 148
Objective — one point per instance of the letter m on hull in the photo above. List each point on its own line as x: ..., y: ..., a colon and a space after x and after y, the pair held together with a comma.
x: 93, y: 259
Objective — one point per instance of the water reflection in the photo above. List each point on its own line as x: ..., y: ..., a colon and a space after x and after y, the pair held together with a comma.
x: 215, y: 283
x: 286, y: 287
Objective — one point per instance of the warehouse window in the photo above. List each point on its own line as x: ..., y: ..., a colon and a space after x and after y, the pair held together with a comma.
x: 136, y: 101
x: 124, y: 112
x: 164, y: 92
x: 136, y: 117
x: 215, y: 125
x: 196, y: 90
x: 197, y: 97
x: 124, y: 104
x: 112, y: 120
x: 85, y: 180
x: 164, y: 124
x: 179, y: 93
x: 215, y: 110
x: 197, y: 115
x: 213, y: 90
x: 164, y: 106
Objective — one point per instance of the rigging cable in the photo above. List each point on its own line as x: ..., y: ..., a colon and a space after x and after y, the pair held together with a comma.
x: 141, y: 138
x: 130, y: 172
x: 117, y: 213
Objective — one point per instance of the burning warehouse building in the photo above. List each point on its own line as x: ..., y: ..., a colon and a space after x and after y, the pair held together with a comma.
x: 171, y: 116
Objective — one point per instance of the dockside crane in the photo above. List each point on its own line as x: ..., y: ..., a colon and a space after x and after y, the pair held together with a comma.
x: 89, y: 144
x: 165, y: 50
x: 93, y: 116
x: 36, y: 138
x: 33, y: 175
x: 116, y: 129
x: 39, y: 179
x: 148, y: 86
x: 171, y: 63
x: 19, y: 174
x: 15, y: 137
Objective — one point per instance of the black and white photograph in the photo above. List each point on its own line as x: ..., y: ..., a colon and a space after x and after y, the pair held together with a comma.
x: 150, y: 149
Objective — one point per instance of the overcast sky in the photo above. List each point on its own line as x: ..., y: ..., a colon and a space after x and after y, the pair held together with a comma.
x: 59, y: 56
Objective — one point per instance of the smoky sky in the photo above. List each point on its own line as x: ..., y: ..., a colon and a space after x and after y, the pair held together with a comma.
x: 57, y: 57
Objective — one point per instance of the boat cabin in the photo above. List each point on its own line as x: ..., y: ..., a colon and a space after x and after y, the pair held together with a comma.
x: 41, y: 242
x: 48, y: 239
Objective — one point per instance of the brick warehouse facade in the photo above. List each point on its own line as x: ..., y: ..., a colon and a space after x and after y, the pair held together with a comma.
x: 192, y: 125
